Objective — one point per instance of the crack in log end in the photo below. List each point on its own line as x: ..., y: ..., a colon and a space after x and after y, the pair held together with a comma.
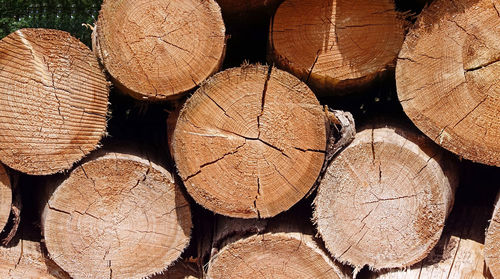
x: 310, y: 150
x: 373, y: 145
x: 214, y: 161
x: 219, y: 106
x: 256, y: 198
x: 496, y: 60
x: 312, y: 66
x: 263, y: 99
x: 473, y: 109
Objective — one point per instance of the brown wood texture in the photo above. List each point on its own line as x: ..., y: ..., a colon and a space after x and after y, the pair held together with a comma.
x: 384, y: 199
x: 283, y: 247
x: 116, y: 216
x: 492, y: 242
x: 5, y: 197
x: 459, y: 252
x: 157, y: 50
x: 447, y: 77
x: 26, y: 260
x: 54, y: 101
x: 250, y: 142
x: 336, y: 44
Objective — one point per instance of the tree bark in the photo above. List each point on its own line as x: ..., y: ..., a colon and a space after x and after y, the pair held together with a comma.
x: 116, y: 215
x: 450, y: 90
x: 335, y: 45
x: 250, y: 142
x: 459, y: 252
x: 492, y: 242
x: 281, y: 248
x: 54, y: 104
x: 157, y: 50
x: 383, y: 201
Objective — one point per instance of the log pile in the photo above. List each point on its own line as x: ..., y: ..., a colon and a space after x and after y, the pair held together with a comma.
x: 156, y: 155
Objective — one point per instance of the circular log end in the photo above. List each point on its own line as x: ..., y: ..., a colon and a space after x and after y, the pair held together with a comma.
x: 117, y: 215
x: 451, y: 90
x: 159, y: 49
x: 54, y: 101
x: 336, y: 44
x: 280, y: 255
x: 384, y: 200
x: 250, y: 142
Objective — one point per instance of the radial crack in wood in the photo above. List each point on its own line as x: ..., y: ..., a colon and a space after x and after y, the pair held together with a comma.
x: 457, y: 101
x: 132, y: 221
x: 245, y: 132
x: 54, y: 101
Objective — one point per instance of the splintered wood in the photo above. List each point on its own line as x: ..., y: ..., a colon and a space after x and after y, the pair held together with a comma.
x: 116, y: 216
x: 54, y: 101
x: 250, y: 142
x: 384, y: 200
x: 159, y: 49
x: 451, y: 89
x: 334, y: 44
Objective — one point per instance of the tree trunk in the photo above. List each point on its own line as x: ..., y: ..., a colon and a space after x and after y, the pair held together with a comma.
x: 26, y: 260
x: 492, y: 242
x: 157, y: 50
x: 450, y: 90
x: 384, y: 200
x: 117, y: 215
x: 336, y: 44
x: 54, y: 104
x: 459, y: 252
x: 250, y: 142
x: 279, y: 248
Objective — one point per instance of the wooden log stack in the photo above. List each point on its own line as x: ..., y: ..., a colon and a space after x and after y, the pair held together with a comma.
x: 156, y: 155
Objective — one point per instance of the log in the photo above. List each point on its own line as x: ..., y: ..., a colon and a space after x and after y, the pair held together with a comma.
x: 455, y: 102
x: 157, y: 50
x: 54, y: 101
x: 118, y: 216
x: 383, y: 201
x: 459, y: 252
x: 26, y: 260
x: 336, y: 45
x: 281, y: 248
x: 250, y: 142
x: 492, y: 242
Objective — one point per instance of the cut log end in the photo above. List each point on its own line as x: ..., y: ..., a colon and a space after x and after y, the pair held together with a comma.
x: 280, y: 255
x: 336, y: 44
x: 456, y: 102
x: 113, y: 207
x: 54, y: 101
x: 250, y: 142
x: 492, y: 242
x: 157, y: 50
x: 384, y: 200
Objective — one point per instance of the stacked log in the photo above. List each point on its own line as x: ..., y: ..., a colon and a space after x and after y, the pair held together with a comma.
x: 450, y: 90
x: 157, y: 50
x: 492, y: 242
x: 384, y: 200
x: 336, y: 44
x: 284, y: 248
x: 54, y: 101
x: 250, y: 142
x: 112, y: 207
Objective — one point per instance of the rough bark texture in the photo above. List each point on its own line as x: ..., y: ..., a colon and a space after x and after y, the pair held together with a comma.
x: 451, y: 89
x: 250, y: 142
x: 335, y: 44
x: 26, y: 260
x: 281, y: 248
x: 458, y: 254
x: 492, y: 242
x: 159, y: 49
x: 116, y: 216
x: 383, y: 201
x: 54, y: 101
